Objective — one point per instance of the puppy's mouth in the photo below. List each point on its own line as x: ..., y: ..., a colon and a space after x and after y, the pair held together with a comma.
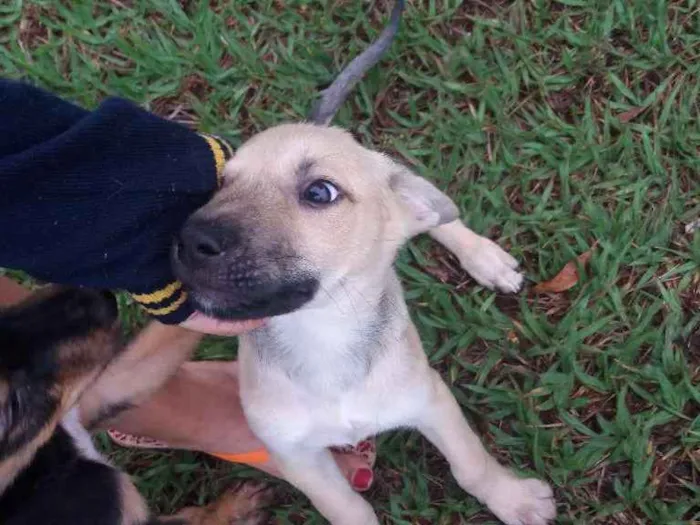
x: 230, y: 305
x: 216, y: 294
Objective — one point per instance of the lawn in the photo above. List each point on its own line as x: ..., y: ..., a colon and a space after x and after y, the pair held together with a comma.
x: 557, y: 126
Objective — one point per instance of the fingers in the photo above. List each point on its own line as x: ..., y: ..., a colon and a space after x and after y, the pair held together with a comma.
x: 11, y: 292
x: 198, y: 322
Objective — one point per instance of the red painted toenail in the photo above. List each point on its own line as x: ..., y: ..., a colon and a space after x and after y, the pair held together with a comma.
x: 362, y: 479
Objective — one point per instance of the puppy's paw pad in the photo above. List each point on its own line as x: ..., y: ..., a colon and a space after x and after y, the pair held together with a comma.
x: 492, y: 267
x: 524, y: 502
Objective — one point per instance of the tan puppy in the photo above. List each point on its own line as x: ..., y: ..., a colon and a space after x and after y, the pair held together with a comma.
x: 305, y: 231
x: 341, y: 359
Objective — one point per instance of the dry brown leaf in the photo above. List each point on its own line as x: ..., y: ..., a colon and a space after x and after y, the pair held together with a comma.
x: 630, y: 114
x: 567, y: 277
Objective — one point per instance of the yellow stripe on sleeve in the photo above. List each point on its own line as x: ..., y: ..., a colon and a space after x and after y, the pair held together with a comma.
x: 159, y: 295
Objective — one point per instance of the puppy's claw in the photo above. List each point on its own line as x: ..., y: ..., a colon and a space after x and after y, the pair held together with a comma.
x: 492, y: 267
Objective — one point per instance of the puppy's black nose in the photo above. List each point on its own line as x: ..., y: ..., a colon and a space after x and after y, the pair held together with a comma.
x: 200, y: 242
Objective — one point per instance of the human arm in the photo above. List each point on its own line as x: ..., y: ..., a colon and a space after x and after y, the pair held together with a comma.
x: 94, y: 198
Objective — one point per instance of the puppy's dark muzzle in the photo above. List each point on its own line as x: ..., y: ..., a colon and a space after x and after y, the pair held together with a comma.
x: 229, y: 279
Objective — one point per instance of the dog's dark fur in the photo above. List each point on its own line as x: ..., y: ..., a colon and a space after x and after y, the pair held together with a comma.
x: 61, y: 486
x: 57, y: 349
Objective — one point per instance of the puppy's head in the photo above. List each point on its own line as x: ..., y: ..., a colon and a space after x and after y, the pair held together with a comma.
x: 304, y: 208
x: 51, y: 347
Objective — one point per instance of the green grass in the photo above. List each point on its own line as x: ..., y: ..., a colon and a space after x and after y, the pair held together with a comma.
x: 553, y: 125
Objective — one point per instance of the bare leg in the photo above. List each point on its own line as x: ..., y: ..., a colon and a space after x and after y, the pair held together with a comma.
x: 143, y: 368
x: 513, y: 500
x: 484, y: 260
x: 199, y: 409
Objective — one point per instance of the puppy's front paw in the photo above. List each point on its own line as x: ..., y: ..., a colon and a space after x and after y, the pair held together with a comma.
x: 522, y: 501
x: 491, y: 266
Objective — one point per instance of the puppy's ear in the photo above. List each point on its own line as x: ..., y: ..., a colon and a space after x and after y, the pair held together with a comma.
x: 425, y: 206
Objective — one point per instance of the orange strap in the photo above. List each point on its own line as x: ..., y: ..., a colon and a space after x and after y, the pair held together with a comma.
x: 256, y: 457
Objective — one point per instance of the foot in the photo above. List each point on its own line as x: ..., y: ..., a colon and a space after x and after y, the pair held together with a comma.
x: 521, y: 501
x: 491, y: 266
x: 199, y: 409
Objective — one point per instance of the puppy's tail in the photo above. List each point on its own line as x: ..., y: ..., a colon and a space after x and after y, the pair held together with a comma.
x: 333, y: 97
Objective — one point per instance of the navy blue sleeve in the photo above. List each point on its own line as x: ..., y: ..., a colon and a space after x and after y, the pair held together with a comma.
x: 94, y: 198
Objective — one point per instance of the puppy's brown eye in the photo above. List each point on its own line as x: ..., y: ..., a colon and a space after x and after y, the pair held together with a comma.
x: 320, y: 193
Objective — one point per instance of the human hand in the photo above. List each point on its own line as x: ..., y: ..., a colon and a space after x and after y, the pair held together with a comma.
x: 198, y: 322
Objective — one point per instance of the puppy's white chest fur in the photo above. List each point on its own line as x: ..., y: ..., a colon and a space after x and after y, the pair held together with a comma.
x: 295, y: 415
x: 332, y: 376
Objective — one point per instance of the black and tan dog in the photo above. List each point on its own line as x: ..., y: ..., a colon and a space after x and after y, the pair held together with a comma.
x: 62, y: 369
